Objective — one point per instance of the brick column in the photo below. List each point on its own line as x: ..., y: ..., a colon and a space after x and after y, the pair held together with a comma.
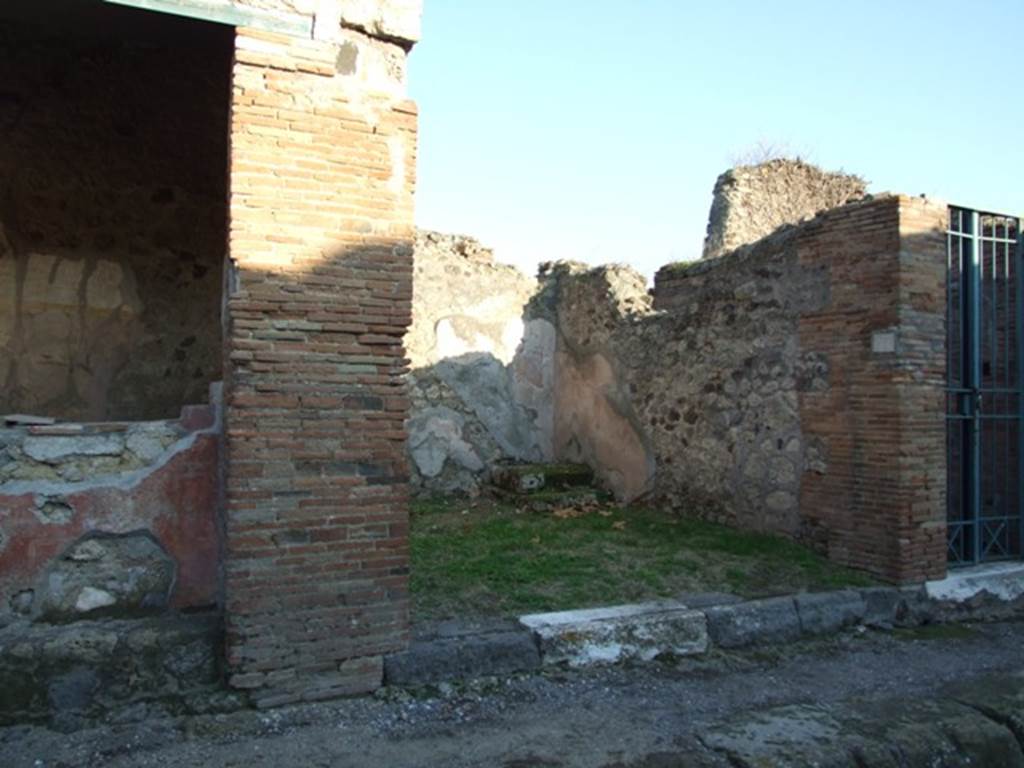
x: 318, y: 300
x: 879, y: 427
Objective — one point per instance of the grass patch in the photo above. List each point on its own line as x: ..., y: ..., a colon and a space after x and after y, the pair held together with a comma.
x: 491, y: 558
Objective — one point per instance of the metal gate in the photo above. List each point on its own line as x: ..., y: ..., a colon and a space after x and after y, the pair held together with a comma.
x: 985, y: 352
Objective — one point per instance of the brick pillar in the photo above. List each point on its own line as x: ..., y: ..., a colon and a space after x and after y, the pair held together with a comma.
x: 318, y: 300
x: 879, y: 427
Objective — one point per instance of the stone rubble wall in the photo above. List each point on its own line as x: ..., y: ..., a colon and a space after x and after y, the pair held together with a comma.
x: 482, y: 371
x: 752, y: 201
x: 696, y: 405
x: 596, y: 313
x: 113, y: 519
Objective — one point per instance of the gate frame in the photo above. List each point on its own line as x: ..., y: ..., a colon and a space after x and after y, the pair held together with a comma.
x: 969, y: 408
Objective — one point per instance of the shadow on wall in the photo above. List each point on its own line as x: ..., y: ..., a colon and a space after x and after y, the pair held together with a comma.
x: 112, y: 212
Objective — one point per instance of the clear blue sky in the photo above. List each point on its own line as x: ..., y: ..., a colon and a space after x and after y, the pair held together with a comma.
x: 594, y: 130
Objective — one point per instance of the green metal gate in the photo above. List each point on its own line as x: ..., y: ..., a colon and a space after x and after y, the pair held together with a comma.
x: 985, y: 353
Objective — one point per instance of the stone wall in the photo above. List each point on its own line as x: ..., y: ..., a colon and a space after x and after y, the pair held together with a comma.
x: 752, y: 201
x: 482, y: 371
x: 112, y: 214
x: 690, y: 395
x: 597, y: 315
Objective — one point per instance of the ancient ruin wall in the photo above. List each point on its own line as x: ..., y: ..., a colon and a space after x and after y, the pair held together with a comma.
x: 595, y: 313
x: 752, y: 201
x: 482, y: 373
x: 112, y: 219
x: 692, y: 399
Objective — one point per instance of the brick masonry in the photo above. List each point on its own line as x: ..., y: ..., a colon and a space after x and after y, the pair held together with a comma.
x: 319, y: 298
x: 881, y: 503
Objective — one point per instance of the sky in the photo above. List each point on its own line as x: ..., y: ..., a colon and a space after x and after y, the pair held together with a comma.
x: 595, y: 130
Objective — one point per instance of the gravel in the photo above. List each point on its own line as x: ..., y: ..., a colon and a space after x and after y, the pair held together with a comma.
x: 596, y: 717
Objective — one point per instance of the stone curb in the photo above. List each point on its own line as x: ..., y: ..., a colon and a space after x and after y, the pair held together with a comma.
x: 639, y: 632
x: 645, y: 631
x: 463, y: 658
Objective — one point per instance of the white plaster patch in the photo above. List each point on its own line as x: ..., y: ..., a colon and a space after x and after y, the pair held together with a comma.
x: 450, y: 343
x: 90, y: 599
x: 883, y: 342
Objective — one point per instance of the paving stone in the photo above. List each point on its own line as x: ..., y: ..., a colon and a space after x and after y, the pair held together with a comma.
x: 888, y: 734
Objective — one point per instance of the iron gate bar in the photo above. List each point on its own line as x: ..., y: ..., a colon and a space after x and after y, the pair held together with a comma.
x: 986, y: 485
x: 1019, y: 262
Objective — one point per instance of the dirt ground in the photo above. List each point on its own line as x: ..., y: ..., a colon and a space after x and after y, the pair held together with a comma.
x: 654, y: 715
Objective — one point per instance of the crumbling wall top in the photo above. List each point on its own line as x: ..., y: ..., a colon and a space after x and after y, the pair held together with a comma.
x: 752, y: 201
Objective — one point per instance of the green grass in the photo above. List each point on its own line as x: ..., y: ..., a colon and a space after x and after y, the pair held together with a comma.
x: 491, y: 558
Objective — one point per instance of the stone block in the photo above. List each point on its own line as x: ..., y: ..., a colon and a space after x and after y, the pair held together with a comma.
x: 618, y: 633
x: 51, y: 449
x: 462, y: 658
x: 824, y: 612
x: 759, y: 622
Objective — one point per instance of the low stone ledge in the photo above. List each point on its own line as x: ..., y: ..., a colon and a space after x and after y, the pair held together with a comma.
x: 774, y: 620
x: 824, y: 612
x: 70, y: 674
x: 608, y: 635
x: 462, y: 657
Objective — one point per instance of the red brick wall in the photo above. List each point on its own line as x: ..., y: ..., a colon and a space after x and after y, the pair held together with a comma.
x: 880, y: 503
x: 319, y: 298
